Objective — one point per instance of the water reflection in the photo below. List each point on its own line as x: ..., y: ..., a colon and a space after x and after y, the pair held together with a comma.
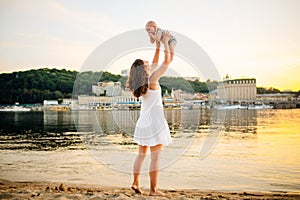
x: 38, y: 131
x: 241, y: 121
x: 53, y: 130
x: 232, y: 121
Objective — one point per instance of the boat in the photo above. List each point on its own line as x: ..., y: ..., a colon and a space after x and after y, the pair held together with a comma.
x: 238, y: 106
x: 15, y: 108
x: 259, y: 106
x: 229, y: 107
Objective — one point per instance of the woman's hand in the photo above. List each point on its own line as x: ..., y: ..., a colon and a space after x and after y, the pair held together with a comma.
x: 157, y: 44
x: 165, y: 41
x: 156, y: 57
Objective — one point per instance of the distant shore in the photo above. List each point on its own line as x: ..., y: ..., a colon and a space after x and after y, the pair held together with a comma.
x: 177, y: 106
x: 50, y: 190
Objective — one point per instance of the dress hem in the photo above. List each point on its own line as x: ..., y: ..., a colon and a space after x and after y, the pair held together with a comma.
x: 152, y: 145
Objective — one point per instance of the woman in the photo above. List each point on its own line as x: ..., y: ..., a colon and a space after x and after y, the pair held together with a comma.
x: 151, y: 129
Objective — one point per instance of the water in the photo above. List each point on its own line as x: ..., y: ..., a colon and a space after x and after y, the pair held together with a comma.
x: 219, y: 150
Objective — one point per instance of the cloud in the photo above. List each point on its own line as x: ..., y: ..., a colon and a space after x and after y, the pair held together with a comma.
x: 50, y: 32
x: 53, y: 34
x: 85, y: 21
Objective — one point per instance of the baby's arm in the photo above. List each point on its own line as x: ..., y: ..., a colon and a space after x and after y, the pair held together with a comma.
x: 152, y: 37
x: 158, y: 35
x: 155, y: 37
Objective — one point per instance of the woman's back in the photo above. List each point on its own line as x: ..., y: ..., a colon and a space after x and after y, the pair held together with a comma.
x: 150, y: 99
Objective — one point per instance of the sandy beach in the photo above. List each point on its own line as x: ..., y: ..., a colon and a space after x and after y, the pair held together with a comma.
x: 51, y: 190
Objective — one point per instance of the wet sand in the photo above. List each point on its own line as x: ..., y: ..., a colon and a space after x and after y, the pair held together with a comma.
x: 51, y: 190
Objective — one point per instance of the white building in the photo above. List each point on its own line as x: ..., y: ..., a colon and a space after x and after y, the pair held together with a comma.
x: 69, y: 101
x: 126, y: 97
x: 93, y: 101
x: 237, y: 89
x: 108, y: 89
x: 50, y: 103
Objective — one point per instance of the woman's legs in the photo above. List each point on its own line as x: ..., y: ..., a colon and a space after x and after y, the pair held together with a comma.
x: 137, y: 167
x: 154, y: 170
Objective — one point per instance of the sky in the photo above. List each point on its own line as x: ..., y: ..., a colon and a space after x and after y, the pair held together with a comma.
x: 249, y: 38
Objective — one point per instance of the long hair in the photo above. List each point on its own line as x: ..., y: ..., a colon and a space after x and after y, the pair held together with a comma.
x: 137, y: 81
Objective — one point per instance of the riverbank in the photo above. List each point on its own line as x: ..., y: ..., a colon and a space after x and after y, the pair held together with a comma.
x: 51, y: 190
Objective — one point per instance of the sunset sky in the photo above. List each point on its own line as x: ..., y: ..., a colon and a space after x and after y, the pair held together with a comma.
x: 249, y: 38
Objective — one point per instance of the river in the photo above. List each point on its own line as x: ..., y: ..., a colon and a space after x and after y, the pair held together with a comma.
x: 212, y: 149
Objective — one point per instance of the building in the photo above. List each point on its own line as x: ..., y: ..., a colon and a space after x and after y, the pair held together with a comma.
x: 213, y: 95
x: 122, y: 101
x: 69, y: 101
x: 94, y: 101
x: 50, y: 103
x: 283, y: 97
x: 109, y: 89
x: 237, y: 89
x: 125, y: 72
x: 200, y: 96
x: 107, y: 95
x: 180, y: 95
x: 125, y: 98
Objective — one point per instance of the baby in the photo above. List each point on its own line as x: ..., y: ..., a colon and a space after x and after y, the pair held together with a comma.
x: 156, y: 34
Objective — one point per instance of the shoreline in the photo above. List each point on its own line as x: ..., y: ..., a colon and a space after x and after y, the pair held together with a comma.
x: 56, y: 190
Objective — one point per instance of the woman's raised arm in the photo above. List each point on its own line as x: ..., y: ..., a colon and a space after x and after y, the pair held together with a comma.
x: 167, y: 60
x: 155, y: 58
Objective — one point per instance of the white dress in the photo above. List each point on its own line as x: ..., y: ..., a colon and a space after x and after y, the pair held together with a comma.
x: 152, y: 128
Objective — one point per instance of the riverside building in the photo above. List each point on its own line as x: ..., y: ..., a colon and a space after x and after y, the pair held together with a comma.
x: 109, y: 89
x: 243, y: 89
x: 108, y: 95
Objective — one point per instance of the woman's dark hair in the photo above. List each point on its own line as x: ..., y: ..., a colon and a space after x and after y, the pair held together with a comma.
x: 138, y: 78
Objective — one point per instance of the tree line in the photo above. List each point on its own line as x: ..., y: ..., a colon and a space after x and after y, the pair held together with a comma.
x: 34, y: 86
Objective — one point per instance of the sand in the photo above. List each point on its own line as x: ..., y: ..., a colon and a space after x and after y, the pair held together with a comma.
x: 43, y: 190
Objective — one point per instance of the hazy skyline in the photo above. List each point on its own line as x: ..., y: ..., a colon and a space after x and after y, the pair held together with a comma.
x: 254, y: 38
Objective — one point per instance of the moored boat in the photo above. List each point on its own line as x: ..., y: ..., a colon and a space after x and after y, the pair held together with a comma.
x: 15, y: 108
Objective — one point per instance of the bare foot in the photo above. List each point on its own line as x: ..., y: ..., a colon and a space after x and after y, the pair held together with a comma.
x: 157, y: 193
x: 136, y: 189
